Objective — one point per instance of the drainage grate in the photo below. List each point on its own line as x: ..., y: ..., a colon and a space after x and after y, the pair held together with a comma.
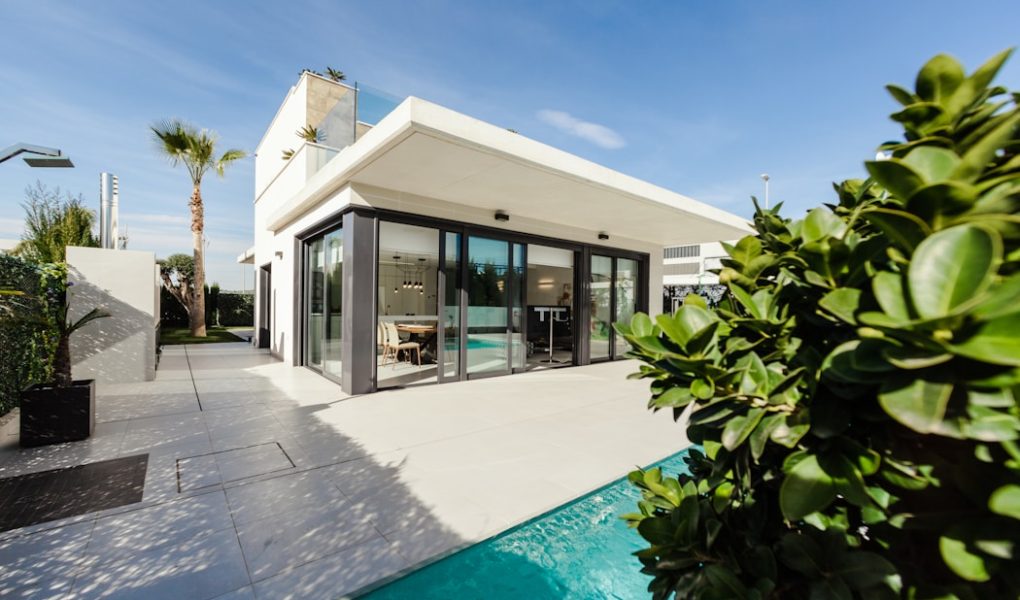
x: 50, y: 495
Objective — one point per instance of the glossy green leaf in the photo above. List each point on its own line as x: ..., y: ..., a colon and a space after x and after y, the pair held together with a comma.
x: 762, y: 432
x: 1000, y: 300
x: 902, y: 228
x: 641, y: 325
x: 934, y: 202
x: 695, y: 300
x: 821, y: 223
x: 738, y: 428
x: 802, y: 554
x: 917, y: 404
x: 889, y: 291
x: 951, y: 267
x: 933, y: 163
x: 939, y: 78
x: 1006, y: 501
x: 896, y: 176
x: 842, y: 303
x: 976, y: 159
x: 996, y: 341
x: 962, y: 561
x: 702, y: 389
x: 805, y: 489
x: 901, y: 95
x: 723, y: 580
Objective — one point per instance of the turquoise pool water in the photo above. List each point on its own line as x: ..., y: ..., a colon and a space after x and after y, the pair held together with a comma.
x: 581, y: 550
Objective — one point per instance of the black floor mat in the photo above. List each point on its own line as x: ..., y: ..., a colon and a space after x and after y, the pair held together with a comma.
x: 49, y: 495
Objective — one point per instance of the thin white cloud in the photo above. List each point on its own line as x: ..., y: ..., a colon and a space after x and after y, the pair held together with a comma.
x: 600, y: 135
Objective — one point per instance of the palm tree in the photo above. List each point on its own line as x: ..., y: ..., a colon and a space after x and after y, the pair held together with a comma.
x: 335, y: 74
x: 185, y: 144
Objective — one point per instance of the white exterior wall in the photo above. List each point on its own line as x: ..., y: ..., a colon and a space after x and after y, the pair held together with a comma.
x: 122, y: 347
x: 708, y: 258
x: 291, y: 116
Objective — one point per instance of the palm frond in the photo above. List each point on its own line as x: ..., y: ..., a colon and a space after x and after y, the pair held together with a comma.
x: 90, y: 316
x: 228, y: 157
x: 310, y: 134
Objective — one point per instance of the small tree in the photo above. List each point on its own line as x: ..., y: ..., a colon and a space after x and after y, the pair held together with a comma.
x: 857, y: 394
x: 178, y: 275
x: 52, y: 223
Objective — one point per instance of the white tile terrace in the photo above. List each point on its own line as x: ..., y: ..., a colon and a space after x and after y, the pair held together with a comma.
x: 267, y: 481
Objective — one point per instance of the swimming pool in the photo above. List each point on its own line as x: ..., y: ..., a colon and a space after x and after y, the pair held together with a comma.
x: 580, y: 550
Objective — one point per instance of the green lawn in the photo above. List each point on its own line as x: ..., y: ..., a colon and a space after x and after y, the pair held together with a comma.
x: 180, y: 335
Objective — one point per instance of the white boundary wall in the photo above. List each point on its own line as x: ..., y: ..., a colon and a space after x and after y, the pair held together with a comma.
x: 124, y: 283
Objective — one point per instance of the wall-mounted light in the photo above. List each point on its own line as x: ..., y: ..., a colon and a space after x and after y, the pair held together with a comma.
x: 279, y: 254
x: 501, y: 215
x: 603, y: 235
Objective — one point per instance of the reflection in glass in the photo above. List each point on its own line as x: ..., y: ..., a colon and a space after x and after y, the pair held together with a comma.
x: 315, y: 304
x: 451, y: 311
x: 550, y: 302
x: 407, y: 329
x: 487, y: 305
x: 626, y: 298
x: 518, y: 349
x: 334, y: 299
x: 601, y: 305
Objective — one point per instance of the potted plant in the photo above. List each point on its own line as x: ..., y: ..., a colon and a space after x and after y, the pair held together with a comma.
x: 63, y: 410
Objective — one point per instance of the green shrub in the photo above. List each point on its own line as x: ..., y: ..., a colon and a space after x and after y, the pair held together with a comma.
x: 171, y: 311
x: 236, y: 309
x: 856, y: 394
x: 212, y: 295
x: 29, y: 308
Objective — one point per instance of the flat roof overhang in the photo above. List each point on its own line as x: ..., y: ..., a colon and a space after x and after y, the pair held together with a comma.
x: 247, y: 257
x: 424, y: 149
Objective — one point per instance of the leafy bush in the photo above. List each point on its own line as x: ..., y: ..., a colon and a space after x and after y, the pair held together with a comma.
x: 236, y: 309
x: 30, y: 299
x: 856, y: 394
x: 171, y: 312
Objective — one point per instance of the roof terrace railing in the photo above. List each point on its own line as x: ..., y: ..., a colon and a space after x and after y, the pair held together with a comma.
x: 305, y: 162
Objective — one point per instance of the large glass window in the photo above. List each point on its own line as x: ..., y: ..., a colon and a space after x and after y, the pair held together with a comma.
x: 488, y: 291
x: 626, y: 298
x: 323, y: 302
x: 518, y: 348
x: 451, y: 308
x: 334, y: 299
x: 614, y: 299
x: 408, y: 326
x: 315, y: 299
x: 550, y: 302
x: 601, y: 306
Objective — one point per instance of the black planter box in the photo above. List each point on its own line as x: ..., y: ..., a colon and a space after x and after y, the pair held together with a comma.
x: 51, y: 415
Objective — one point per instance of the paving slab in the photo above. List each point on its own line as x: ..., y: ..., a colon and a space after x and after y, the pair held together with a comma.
x: 267, y: 481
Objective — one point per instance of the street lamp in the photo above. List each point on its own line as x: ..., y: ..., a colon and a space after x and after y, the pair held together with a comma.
x: 44, y: 157
x: 765, y: 178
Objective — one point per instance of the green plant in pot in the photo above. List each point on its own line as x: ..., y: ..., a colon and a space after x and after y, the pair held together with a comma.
x: 64, y: 409
x: 856, y: 396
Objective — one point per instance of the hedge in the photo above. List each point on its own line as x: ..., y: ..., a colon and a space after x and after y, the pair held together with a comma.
x: 233, y: 309
x: 28, y: 332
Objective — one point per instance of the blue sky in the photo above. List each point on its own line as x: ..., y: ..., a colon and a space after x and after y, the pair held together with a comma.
x: 699, y: 97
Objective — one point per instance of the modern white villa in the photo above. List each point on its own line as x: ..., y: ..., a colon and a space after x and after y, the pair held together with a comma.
x: 414, y: 244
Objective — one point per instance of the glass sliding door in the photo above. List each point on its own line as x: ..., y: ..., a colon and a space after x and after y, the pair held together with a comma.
x: 451, y: 307
x: 315, y: 294
x: 323, y: 302
x: 334, y: 266
x: 518, y: 347
x: 600, y: 328
x: 625, y: 291
x: 488, y: 306
x: 614, y: 299
x: 550, y: 307
x: 407, y: 329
